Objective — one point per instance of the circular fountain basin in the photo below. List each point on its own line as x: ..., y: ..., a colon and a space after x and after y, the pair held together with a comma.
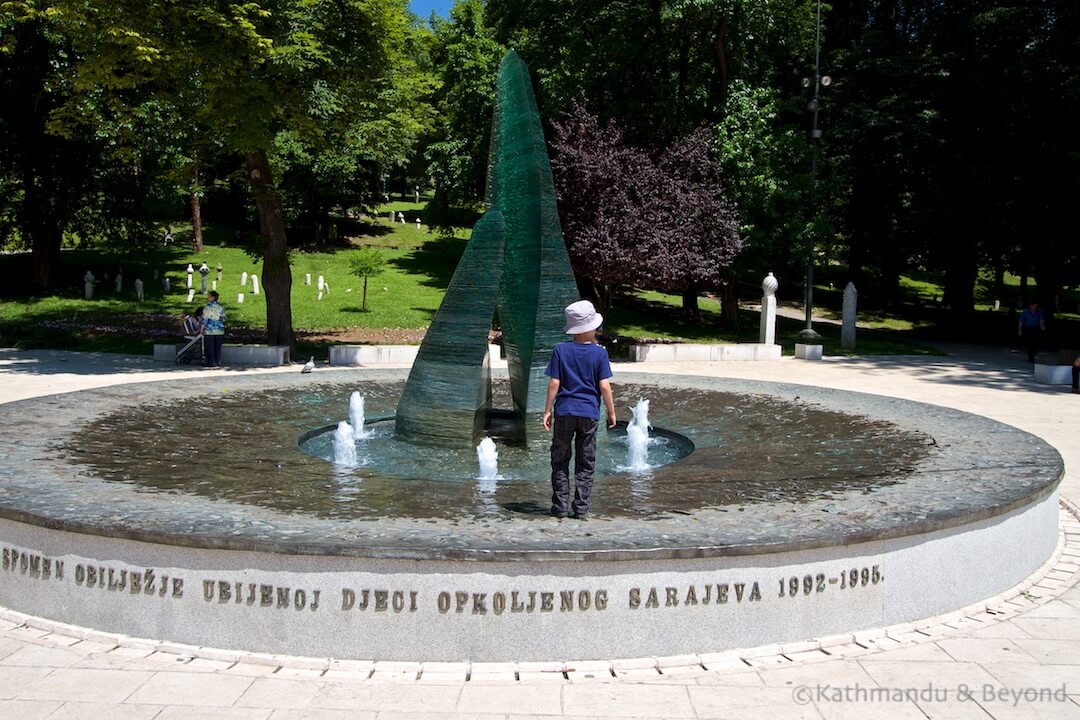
x: 187, y: 512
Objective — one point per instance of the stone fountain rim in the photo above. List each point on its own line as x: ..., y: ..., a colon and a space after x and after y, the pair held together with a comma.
x: 1006, y: 498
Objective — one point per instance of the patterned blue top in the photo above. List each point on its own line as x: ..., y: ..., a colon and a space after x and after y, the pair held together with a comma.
x: 214, y: 319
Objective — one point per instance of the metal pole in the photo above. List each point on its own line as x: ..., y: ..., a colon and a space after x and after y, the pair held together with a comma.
x: 808, y: 333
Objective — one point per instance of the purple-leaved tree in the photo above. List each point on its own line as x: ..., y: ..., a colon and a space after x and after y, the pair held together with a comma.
x: 656, y: 219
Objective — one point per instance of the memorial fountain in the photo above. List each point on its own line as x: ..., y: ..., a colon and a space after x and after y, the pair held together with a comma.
x: 751, y: 513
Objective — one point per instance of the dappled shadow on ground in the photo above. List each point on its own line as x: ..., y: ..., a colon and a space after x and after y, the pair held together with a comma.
x: 986, y: 366
x: 436, y: 261
x: 68, y: 282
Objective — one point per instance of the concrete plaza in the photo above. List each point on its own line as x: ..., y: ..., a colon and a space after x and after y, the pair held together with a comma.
x: 1014, y: 656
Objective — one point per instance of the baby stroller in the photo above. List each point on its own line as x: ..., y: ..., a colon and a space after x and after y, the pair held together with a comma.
x: 193, y: 348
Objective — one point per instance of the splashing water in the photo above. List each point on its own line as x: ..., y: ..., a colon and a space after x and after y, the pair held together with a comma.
x: 344, y: 445
x: 488, y: 457
x: 637, y: 437
x: 356, y: 415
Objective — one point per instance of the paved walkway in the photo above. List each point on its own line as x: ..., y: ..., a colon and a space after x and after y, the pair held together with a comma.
x: 1016, y: 656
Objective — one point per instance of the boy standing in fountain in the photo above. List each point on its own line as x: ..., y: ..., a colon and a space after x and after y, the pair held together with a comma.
x: 579, y: 372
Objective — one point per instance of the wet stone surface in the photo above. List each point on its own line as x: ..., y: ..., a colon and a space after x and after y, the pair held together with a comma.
x: 216, y: 464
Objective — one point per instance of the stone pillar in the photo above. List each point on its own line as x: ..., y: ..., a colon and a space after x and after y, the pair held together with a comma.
x: 768, y: 310
x: 139, y: 288
x: 847, y: 331
x: 88, y: 285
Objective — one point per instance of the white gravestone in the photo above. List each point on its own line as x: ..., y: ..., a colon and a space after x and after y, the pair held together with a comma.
x: 768, y: 310
x: 307, y: 278
x: 213, y: 285
x: 219, y: 269
x: 401, y: 218
x: 320, y: 296
x: 204, y: 271
x: 190, y: 271
x: 321, y: 282
x: 166, y: 284
x: 88, y: 285
x: 243, y: 278
x: 191, y: 294
x: 417, y: 223
x: 391, y: 216
x: 847, y: 330
x: 254, y: 284
x: 119, y: 282
x: 239, y: 298
x: 139, y: 289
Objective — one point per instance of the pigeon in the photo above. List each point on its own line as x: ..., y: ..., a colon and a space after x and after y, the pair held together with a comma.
x: 309, y: 365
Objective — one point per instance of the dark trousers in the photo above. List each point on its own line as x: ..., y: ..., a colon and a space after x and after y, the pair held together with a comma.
x: 1031, y: 342
x: 581, y: 432
x: 1076, y: 378
x: 213, y: 349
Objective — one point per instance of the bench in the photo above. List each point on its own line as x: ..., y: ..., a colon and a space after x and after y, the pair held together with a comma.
x: 265, y: 355
x: 805, y: 351
x: 372, y: 354
x: 696, y: 352
x: 1053, y: 374
x: 165, y: 352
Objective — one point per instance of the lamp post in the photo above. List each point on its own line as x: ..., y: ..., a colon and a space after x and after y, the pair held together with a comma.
x: 819, y: 81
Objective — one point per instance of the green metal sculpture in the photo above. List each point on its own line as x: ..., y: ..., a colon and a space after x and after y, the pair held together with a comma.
x: 516, y: 263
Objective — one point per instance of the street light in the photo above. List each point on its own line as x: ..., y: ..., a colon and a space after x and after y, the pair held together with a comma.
x: 819, y: 81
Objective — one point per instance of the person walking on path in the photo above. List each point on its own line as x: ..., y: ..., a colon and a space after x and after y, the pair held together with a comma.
x: 1032, y: 325
x: 1076, y: 375
x: 580, y: 376
x: 213, y: 330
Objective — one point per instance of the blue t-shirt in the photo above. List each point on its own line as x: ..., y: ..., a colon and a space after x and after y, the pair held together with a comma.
x: 1031, y: 320
x: 579, y: 368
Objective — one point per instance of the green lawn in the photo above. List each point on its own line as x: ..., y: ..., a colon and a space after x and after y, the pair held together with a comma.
x: 419, y: 266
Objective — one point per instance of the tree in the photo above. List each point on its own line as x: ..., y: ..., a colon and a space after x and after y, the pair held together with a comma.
x: 82, y: 185
x: 466, y: 57
x: 367, y: 263
x: 244, y: 73
x: 664, y: 224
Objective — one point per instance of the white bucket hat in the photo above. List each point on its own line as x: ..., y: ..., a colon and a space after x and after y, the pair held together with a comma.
x: 581, y: 317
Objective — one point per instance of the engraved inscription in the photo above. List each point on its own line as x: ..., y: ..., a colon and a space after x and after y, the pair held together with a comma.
x: 298, y: 597
x: 718, y: 594
x: 32, y: 565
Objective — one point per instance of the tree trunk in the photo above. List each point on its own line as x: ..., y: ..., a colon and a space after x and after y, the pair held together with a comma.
x: 276, y: 277
x: 729, y: 303
x: 960, y: 278
x: 196, y: 221
x: 44, y: 234
x: 999, y: 279
x: 690, y: 303
x: 46, y: 256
